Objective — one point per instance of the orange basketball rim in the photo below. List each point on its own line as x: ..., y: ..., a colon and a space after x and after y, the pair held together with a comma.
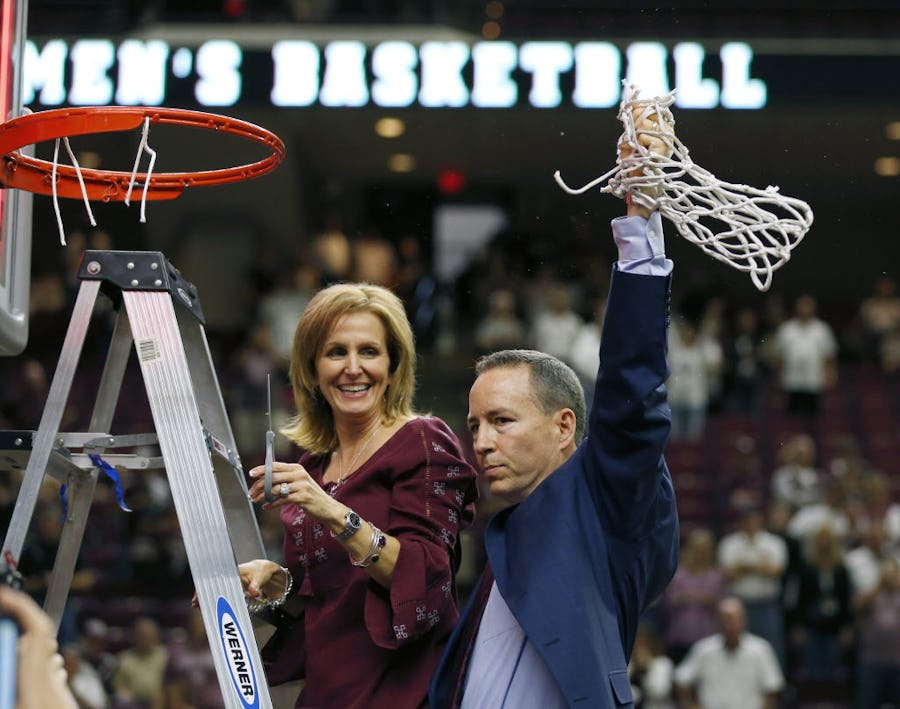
x: 36, y: 175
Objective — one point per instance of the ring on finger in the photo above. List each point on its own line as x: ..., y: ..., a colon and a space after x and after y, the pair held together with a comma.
x: 284, y: 489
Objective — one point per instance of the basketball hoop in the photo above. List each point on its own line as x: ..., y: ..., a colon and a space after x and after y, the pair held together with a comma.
x: 45, y: 177
x: 755, y: 239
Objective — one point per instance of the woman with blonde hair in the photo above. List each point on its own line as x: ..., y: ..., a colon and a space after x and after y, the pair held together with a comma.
x: 688, y: 605
x: 372, y: 513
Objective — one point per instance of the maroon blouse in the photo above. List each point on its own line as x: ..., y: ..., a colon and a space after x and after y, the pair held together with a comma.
x: 362, y: 646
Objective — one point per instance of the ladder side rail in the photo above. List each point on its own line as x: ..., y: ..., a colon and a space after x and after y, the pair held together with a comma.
x: 79, y: 493
x: 212, y: 407
x: 48, y: 428
x: 113, y: 373
x: 199, y: 508
x: 243, y: 527
x: 82, y: 483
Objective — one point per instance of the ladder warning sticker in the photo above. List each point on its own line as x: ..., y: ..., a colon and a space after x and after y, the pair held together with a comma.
x: 240, y: 664
x: 147, y: 349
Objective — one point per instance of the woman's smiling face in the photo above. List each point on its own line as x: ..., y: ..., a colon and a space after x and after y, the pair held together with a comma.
x: 353, y: 367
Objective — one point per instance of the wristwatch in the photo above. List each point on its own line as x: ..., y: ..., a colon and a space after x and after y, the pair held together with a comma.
x: 352, y: 523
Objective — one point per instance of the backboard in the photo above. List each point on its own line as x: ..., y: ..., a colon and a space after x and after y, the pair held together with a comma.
x: 15, y: 205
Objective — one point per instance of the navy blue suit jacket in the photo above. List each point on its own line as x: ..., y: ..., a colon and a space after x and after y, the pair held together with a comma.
x: 582, y: 557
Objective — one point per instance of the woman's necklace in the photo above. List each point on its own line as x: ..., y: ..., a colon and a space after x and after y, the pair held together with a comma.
x: 340, y: 481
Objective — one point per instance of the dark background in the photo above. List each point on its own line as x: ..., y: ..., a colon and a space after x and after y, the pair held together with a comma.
x: 832, y: 69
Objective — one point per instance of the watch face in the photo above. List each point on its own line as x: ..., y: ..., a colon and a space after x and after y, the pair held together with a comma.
x: 353, y: 520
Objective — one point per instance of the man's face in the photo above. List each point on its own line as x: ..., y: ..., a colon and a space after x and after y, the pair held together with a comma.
x: 732, y: 620
x: 805, y: 308
x: 752, y: 522
x: 516, y: 444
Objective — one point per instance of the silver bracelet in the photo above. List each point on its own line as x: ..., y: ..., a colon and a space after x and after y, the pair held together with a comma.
x: 255, y: 605
x: 374, y: 553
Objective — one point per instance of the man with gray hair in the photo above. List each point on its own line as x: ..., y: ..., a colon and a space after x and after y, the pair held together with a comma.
x: 590, y: 537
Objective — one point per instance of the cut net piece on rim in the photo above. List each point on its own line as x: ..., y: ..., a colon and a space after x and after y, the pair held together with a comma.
x: 761, y: 227
x: 53, y: 183
x: 32, y: 174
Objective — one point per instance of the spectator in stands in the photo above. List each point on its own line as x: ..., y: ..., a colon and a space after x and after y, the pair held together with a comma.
x: 25, y: 393
x: 375, y: 260
x: 732, y: 669
x: 421, y: 291
x: 501, y: 327
x: 157, y: 557
x: 796, y: 480
x: 84, y: 681
x: 878, y: 504
x: 848, y: 464
x: 253, y: 370
x: 95, y: 651
x: 879, y: 317
x: 279, y: 308
x: 832, y: 511
x: 712, y: 327
x: 744, y: 474
x: 890, y: 352
x: 584, y: 356
x: 190, y: 676
x: 773, y: 315
x: 555, y: 327
x: 744, y: 367
x: 37, y: 561
x: 650, y: 671
x: 48, y: 318
x: 778, y: 516
x: 694, y: 363
x: 864, y: 562
x: 333, y: 253
x: 823, y: 609
x: 687, y: 609
x: 806, y: 351
x: 9, y: 487
x: 141, y: 667
x: 878, y: 627
x: 754, y: 560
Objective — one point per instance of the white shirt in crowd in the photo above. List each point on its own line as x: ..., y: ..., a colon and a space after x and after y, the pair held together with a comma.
x: 584, y: 357
x: 798, y: 485
x: 693, y: 368
x: 807, y: 521
x: 554, y: 332
x: 739, y: 548
x: 740, y: 678
x: 804, y: 347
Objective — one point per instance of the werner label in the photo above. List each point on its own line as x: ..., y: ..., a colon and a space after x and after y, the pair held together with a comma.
x: 237, y: 655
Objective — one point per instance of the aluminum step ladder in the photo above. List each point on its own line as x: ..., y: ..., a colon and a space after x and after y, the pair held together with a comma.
x: 159, y: 314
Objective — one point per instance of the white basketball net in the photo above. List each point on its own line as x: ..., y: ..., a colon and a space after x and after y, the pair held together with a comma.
x: 755, y: 239
x: 142, y: 148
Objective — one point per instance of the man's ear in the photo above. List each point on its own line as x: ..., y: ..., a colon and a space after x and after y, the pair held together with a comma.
x: 565, y: 421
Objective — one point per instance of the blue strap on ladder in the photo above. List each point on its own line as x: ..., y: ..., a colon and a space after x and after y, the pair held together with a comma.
x: 111, y: 473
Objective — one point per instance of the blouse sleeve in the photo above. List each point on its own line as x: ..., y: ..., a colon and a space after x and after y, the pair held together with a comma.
x: 432, y: 501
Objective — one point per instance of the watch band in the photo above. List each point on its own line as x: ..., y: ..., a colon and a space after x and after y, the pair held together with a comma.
x: 352, y: 524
